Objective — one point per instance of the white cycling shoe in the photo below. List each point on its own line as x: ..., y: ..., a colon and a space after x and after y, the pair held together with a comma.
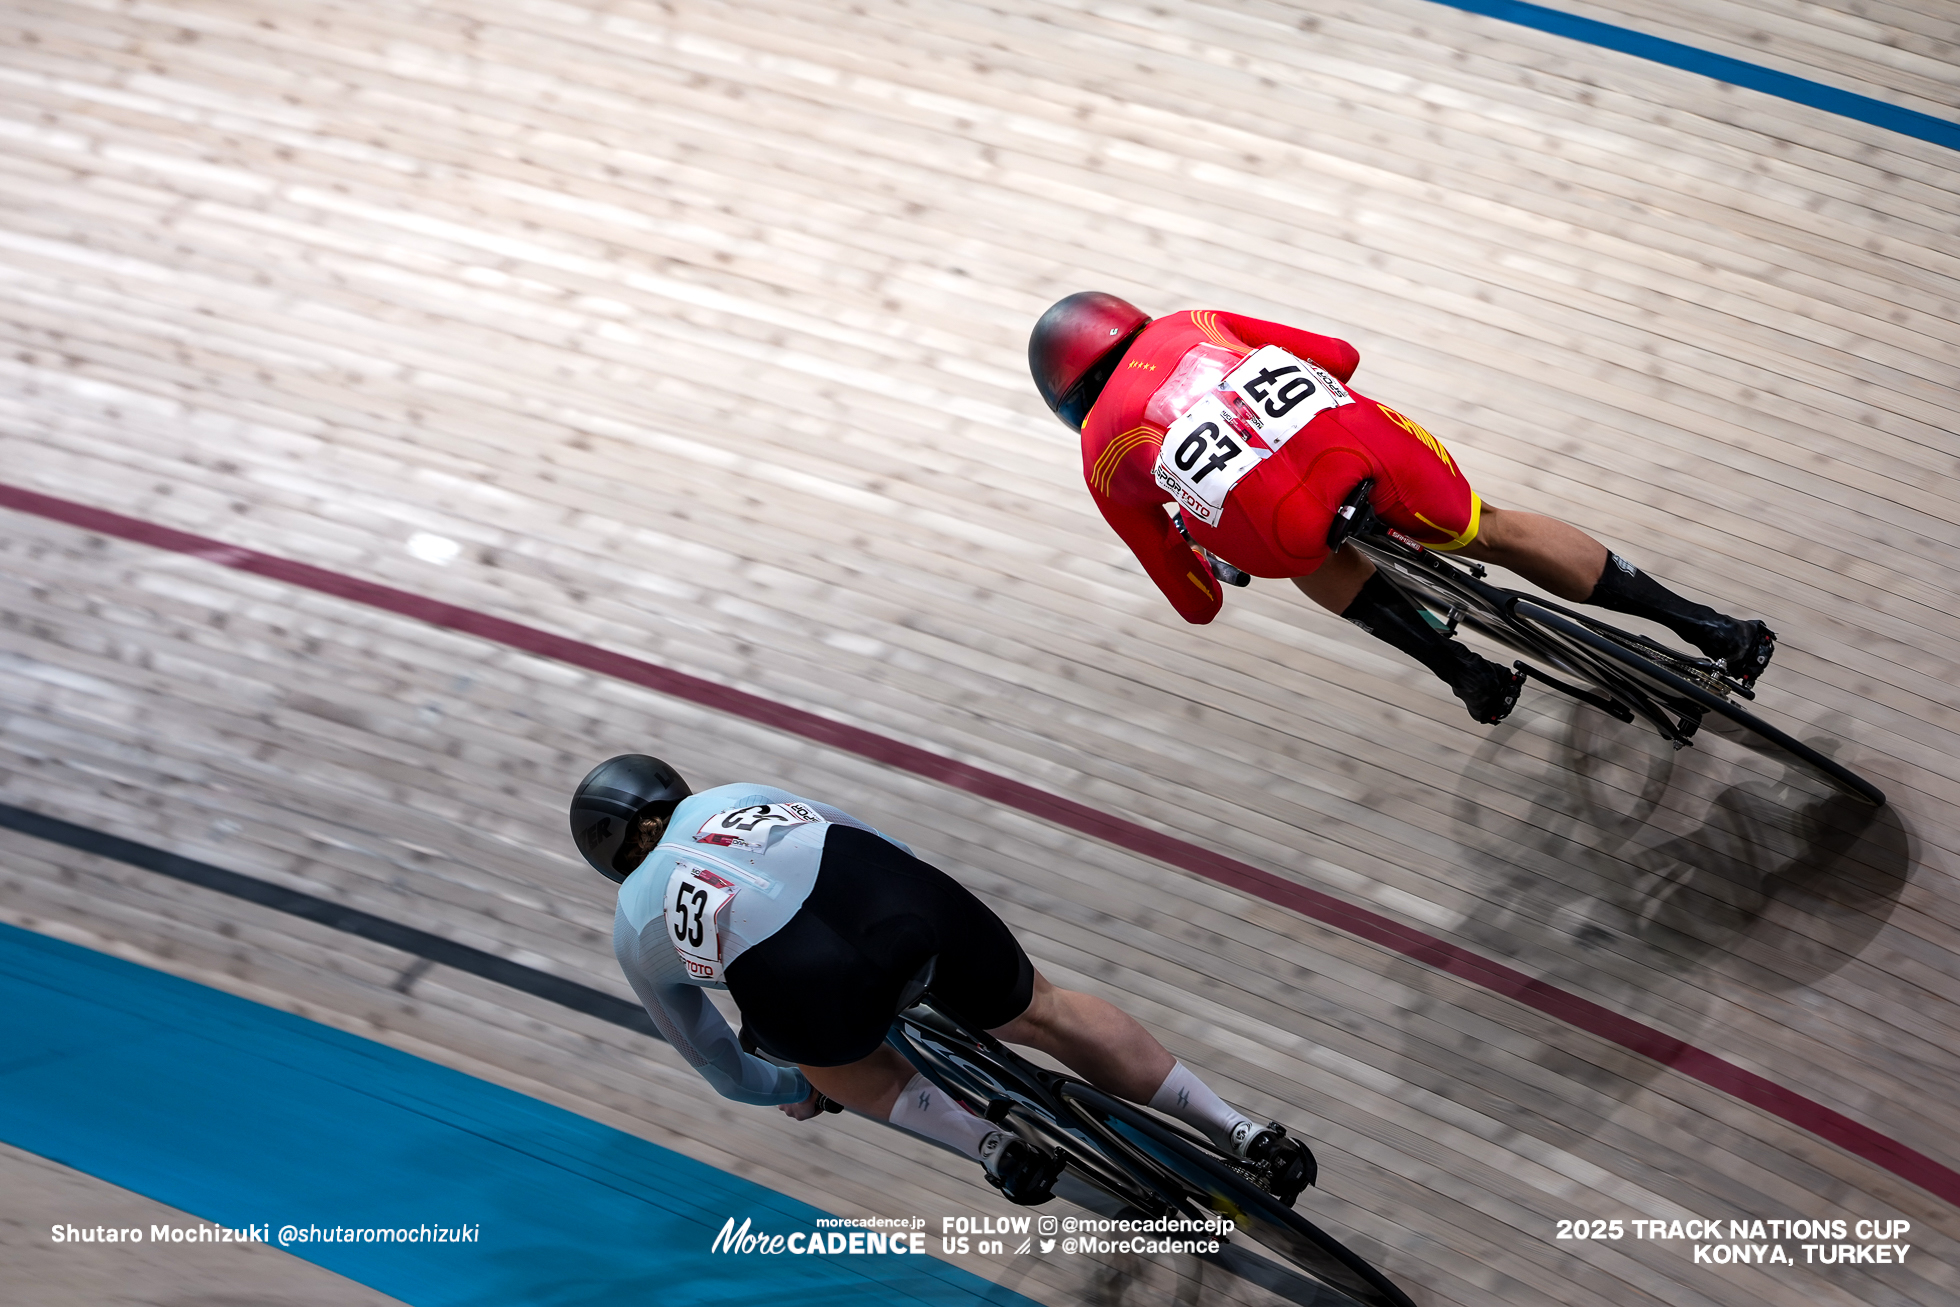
x: 1283, y: 1165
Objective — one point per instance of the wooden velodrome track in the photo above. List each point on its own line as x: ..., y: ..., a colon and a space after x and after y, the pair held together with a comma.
x: 696, y: 332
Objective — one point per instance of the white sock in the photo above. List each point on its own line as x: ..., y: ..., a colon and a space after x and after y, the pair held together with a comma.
x: 925, y: 1109
x: 1191, y: 1101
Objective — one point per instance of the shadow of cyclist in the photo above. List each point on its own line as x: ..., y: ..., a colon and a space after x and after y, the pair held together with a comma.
x: 1598, y: 859
x: 1787, y: 895
x: 1778, y: 874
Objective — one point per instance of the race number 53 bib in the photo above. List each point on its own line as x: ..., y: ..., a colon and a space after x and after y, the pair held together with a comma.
x: 1254, y: 411
x: 696, y: 898
x: 750, y: 827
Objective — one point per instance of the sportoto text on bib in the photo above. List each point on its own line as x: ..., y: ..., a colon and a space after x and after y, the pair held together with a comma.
x: 1244, y: 421
x: 696, y: 898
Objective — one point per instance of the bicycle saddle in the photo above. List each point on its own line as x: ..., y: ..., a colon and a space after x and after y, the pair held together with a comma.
x: 915, y: 988
x: 1355, y: 516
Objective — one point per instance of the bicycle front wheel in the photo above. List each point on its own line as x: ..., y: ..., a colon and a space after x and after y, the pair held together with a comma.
x: 1214, y: 1186
x: 1669, y: 686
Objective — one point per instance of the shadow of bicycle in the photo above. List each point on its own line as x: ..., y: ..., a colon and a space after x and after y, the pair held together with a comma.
x: 1694, y: 862
x: 1602, y: 861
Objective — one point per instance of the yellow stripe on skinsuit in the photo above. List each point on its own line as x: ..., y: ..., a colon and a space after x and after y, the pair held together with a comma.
x: 1469, y: 532
x: 1207, y: 322
x: 1199, y: 581
x: 1104, y: 472
x: 1415, y: 429
x: 1113, y: 454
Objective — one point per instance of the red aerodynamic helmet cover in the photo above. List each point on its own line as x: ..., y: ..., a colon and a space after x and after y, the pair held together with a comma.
x: 1068, y: 341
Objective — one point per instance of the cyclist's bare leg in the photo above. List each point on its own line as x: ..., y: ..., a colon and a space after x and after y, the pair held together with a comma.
x: 1101, y: 1042
x: 884, y: 1086
x: 869, y: 1086
x: 1112, y: 1051
x: 1543, y: 550
x: 1337, y: 581
x: 1577, y: 568
x: 1096, y: 1039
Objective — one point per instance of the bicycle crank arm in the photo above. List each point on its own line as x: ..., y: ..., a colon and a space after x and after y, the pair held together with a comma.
x: 1611, y: 707
x: 1713, y: 669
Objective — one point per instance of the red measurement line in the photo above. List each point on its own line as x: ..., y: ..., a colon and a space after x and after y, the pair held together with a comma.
x: 1704, y: 1066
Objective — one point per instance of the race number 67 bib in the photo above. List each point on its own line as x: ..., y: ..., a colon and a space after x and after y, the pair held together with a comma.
x: 696, y: 898
x: 751, y: 827
x: 1254, y: 410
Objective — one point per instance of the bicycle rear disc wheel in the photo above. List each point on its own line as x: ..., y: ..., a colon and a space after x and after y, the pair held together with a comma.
x: 1214, y: 1185
x: 1666, y: 684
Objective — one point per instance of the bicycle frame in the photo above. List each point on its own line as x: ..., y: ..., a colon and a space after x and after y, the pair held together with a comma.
x: 997, y: 1083
x: 1119, y: 1167
x: 1459, y: 594
x: 1629, y: 675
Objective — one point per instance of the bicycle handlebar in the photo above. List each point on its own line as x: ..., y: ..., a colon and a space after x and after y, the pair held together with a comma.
x: 1220, y: 569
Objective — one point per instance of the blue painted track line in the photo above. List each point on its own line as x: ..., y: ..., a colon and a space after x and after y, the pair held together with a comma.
x: 243, y: 1115
x: 1846, y: 104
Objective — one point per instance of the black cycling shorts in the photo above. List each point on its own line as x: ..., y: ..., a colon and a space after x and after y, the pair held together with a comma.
x: 823, y: 990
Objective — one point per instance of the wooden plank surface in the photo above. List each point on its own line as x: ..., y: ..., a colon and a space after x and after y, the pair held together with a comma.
x: 36, y: 1194
x: 699, y: 330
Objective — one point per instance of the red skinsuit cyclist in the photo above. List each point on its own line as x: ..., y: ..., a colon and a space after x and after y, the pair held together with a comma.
x: 1122, y: 379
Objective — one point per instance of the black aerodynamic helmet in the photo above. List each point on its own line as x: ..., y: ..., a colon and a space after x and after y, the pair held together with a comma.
x: 1076, y: 345
x: 611, y: 800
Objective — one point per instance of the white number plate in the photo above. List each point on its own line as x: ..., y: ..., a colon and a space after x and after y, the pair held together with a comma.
x: 1254, y: 411
x: 750, y: 827
x: 695, y: 900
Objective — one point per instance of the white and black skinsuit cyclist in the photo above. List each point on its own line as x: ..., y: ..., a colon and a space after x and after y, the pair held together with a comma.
x: 815, y: 923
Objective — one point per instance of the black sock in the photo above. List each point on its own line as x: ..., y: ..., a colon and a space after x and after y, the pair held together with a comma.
x: 1386, y: 613
x: 1624, y: 588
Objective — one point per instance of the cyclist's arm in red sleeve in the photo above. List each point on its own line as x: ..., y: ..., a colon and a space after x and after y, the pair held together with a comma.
x: 1337, y: 356
x: 1179, y: 571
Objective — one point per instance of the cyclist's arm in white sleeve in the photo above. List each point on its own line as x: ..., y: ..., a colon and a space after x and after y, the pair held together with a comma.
x: 691, y: 1024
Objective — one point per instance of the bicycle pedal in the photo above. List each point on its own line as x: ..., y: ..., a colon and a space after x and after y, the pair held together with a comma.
x: 1024, y: 1174
x: 1287, y: 1165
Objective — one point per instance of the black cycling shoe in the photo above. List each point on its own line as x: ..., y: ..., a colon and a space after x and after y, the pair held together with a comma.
x: 1489, y: 690
x: 1286, y: 1165
x: 1744, y: 648
x: 1024, y: 1174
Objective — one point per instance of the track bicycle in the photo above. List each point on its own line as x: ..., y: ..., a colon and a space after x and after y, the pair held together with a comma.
x: 1124, y: 1161
x: 1627, y: 676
